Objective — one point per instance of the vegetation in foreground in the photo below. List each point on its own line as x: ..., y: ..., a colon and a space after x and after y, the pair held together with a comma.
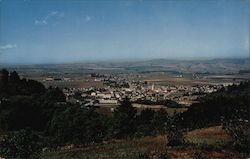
x: 211, y: 142
x: 40, y: 119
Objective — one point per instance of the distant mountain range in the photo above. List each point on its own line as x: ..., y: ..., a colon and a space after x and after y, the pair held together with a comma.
x: 214, y: 66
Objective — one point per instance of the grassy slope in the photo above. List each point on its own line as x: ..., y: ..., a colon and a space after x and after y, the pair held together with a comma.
x: 211, y: 142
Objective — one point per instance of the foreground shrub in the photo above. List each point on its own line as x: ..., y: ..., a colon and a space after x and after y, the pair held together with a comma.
x: 147, y: 156
x: 123, y: 122
x: 200, y: 156
x: 174, y: 133
x: 165, y: 156
x: 22, y: 144
x: 142, y: 156
x: 237, y: 128
x: 160, y: 120
x: 175, y: 138
x: 76, y: 125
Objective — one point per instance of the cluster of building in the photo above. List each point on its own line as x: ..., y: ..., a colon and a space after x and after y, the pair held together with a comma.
x: 119, y: 87
x: 56, y: 79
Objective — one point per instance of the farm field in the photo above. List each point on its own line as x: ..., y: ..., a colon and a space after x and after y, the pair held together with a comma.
x: 74, y: 84
x: 158, y: 79
x: 166, y: 79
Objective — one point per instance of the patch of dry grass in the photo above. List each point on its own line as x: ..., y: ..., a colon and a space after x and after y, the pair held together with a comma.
x: 209, y: 135
x: 153, y: 146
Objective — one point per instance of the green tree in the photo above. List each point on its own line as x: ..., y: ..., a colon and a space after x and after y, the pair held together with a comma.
x: 14, y: 77
x: 238, y: 128
x: 20, y: 112
x: 124, y: 120
x: 33, y: 87
x: 160, y: 121
x: 144, y: 122
x: 174, y: 132
x: 55, y: 95
x: 77, y: 125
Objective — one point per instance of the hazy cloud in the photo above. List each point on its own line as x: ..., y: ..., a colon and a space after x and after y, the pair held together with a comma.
x: 52, y: 15
x: 41, y: 22
x: 88, y: 18
x: 8, y: 46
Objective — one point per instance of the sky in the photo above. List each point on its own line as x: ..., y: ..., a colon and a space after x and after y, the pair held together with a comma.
x: 59, y: 31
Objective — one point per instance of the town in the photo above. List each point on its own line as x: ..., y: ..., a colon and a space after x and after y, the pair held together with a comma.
x: 119, y: 87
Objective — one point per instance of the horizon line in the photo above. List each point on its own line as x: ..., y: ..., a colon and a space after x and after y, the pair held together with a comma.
x: 119, y: 60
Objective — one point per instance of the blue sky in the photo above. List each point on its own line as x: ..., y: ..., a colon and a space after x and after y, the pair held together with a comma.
x: 57, y: 31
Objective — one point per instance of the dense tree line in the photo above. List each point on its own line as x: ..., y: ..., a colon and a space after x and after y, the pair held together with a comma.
x: 168, y: 103
x: 215, y: 106
x: 26, y: 103
x: 11, y: 84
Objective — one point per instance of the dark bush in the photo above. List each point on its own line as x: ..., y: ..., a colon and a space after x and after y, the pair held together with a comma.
x: 77, y: 125
x: 123, y: 122
x: 238, y: 127
x: 200, y: 156
x: 22, y: 144
x: 165, y: 156
x: 174, y: 133
x: 160, y: 121
x: 144, y: 122
x: 142, y: 156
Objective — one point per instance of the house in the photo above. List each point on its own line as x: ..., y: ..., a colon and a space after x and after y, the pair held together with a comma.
x: 102, y: 101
